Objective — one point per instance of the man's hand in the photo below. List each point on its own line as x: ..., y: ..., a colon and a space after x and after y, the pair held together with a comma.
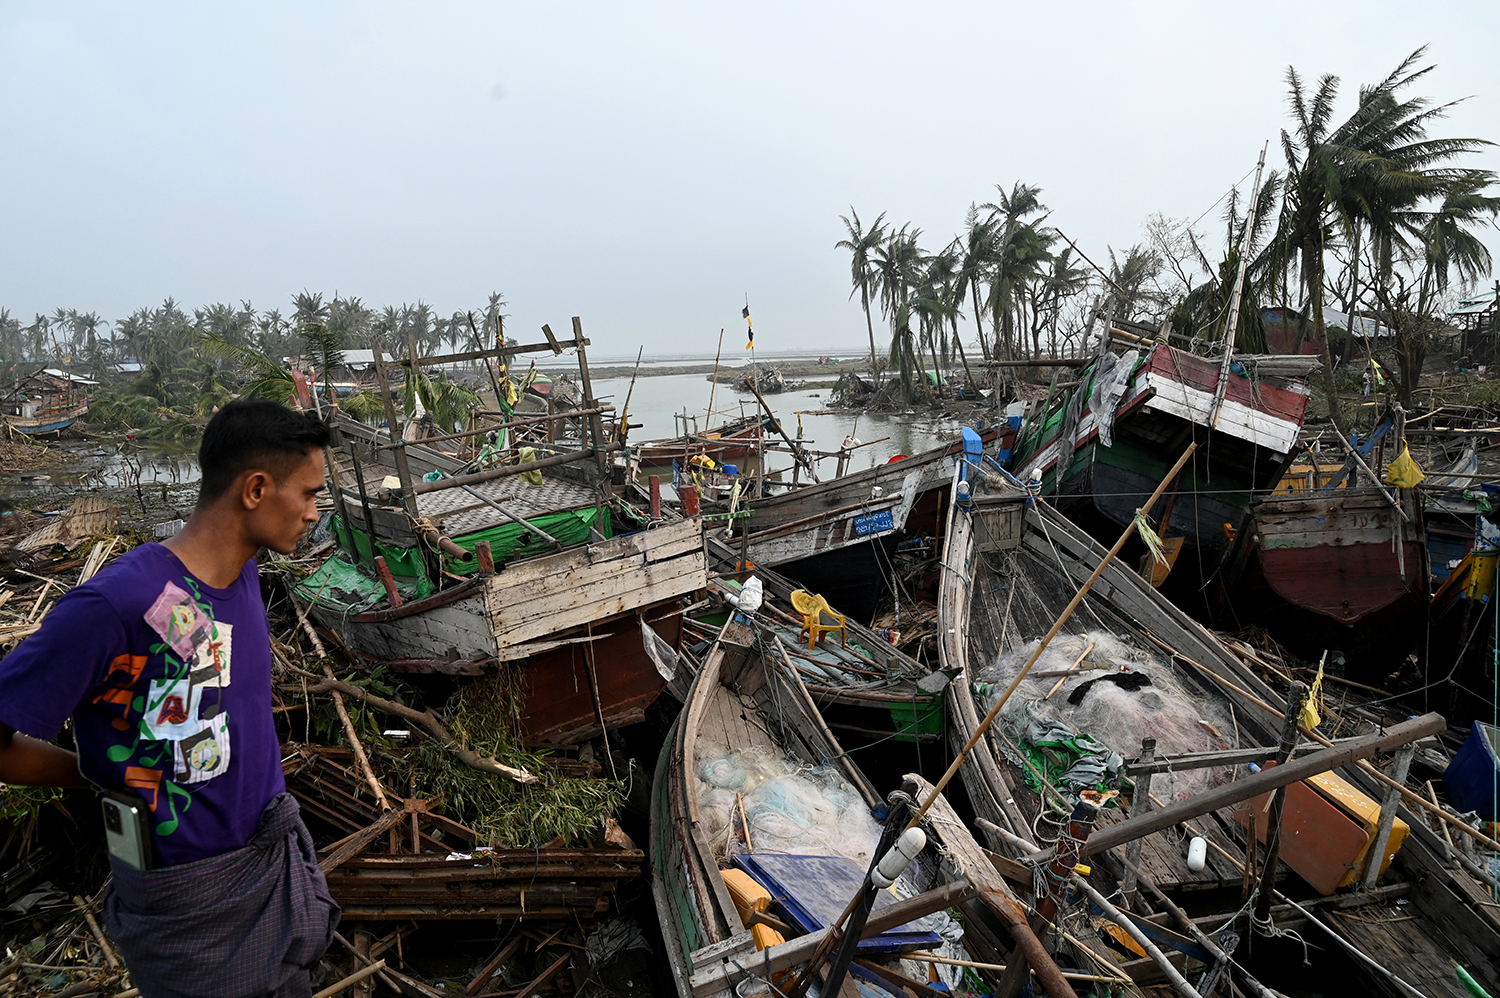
x: 31, y: 762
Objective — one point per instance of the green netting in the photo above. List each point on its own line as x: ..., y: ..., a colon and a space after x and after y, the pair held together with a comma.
x: 405, y: 563
x: 342, y: 587
x: 513, y: 540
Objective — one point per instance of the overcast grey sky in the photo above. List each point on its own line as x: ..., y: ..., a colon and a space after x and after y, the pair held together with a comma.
x: 641, y: 165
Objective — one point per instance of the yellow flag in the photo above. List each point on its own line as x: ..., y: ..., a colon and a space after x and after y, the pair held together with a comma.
x: 1310, y: 718
x: 1403, y: 472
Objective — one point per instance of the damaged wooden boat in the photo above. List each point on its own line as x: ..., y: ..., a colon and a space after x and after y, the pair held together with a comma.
x: 48, y: 401
x: 1099, y: 449
x: 444, y: 568
x: 1176, y: 746
x: 730, y: 442
x: 865, y: 688
x: 838, y: 537
x: 1336, y: 570
x: 728, y: 893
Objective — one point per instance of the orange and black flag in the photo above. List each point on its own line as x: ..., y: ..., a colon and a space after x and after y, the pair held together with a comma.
x: 749, y: 327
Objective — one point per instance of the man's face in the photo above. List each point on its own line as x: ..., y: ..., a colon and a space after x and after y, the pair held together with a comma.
x: 287, y: 505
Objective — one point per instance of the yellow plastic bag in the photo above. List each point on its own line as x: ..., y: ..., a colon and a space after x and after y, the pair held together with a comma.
x: 1403, y: 472
x: 528, y: 455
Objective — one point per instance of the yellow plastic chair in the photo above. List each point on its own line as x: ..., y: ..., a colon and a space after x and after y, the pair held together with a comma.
x: 815, y: 614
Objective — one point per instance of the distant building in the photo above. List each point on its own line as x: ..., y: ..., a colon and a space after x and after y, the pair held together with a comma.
x: 1284, y: 326
x: 1475, y: 318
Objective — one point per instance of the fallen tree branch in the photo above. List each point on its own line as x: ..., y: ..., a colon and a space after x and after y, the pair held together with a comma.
x: 427, y: 721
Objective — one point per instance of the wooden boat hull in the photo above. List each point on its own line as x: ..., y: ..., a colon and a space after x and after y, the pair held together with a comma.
x: 735, y: 442
x: 570, y: 619
x: 53, y: 420
x: 1338, y: 569
x: 1446, y: 920
x: 742, y: 698
x: 838, y: 537
x: 696, y: 910
x: 1122, y: 602
x: 1168, y: 403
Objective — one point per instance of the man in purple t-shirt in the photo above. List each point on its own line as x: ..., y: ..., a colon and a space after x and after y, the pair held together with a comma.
x: 163, y: 662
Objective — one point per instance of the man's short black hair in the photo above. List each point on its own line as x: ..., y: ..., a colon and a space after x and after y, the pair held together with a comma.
x: 254, y: 433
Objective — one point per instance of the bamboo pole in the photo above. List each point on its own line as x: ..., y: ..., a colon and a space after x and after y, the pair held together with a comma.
x: 351, y: 980
x: 338, y: 703
x: 1173, y: 975
x: 508, y: 425
x: 949, y: 961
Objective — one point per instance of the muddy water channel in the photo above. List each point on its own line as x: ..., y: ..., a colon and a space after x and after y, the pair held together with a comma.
x: 148, y: 485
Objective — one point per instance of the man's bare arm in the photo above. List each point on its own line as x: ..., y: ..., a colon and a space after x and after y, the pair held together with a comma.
x: 31, y: 762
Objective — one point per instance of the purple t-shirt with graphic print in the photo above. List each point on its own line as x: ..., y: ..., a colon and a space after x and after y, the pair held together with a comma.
x: 168, y: 682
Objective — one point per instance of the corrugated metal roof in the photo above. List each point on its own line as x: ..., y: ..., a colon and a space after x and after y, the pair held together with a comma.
x: 65, y: 376
x: 1475, y: 304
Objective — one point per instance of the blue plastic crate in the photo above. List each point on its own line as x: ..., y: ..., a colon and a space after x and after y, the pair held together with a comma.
x: 809, y: 892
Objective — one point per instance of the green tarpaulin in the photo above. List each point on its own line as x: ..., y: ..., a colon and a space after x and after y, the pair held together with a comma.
x: 342, y: 586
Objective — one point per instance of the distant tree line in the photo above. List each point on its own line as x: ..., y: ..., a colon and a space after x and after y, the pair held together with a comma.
x: 1373, y: 214
x: 190, y: 363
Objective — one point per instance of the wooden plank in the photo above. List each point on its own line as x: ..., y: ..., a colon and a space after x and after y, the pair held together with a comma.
x: 1299, y: 768
x: 592, y: 599
x: 494, y: 352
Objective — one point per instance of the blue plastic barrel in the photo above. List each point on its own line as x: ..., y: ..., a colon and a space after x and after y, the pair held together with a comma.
x: 730, y: 469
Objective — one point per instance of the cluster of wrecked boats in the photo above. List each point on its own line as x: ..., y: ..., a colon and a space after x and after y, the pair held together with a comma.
x: 1132, y: 800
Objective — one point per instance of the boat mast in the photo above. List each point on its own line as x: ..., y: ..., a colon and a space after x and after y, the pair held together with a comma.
x: 1231, y: 324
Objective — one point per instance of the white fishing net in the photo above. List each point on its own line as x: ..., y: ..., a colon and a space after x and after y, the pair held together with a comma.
x: 788, y: 807
x: 1149, y: 700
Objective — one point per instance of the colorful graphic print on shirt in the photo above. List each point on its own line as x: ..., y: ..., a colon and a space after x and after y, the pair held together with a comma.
x: 181, y: 737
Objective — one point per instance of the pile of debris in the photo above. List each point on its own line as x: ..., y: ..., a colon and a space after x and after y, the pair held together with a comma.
x: 422, y: 801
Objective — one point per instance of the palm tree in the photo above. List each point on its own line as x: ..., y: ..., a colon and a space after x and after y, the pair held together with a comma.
x: 1445, y: 245
x: 1360, y: 174
x: 898, y: 265
x: 861, y: 245
x: 977, y: 258
x: 1021, y: 247
x: 1050, y: 291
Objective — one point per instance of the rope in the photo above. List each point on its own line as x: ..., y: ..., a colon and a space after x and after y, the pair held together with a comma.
x: 1268, y: 929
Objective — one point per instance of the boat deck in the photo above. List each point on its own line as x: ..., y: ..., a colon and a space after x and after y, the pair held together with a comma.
x: 456, y: 512
x: 460, y: 513
x: 1402, y: 943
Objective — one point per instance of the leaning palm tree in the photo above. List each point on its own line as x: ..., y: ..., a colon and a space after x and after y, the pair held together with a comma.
x: 861, y: 245
x: 1443, y: 245
x: 267, y: 378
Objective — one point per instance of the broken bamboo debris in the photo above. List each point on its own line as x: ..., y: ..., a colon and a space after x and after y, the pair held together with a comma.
x: 1179, y: 983
x: 338, y: 702
x: 427, y: 720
